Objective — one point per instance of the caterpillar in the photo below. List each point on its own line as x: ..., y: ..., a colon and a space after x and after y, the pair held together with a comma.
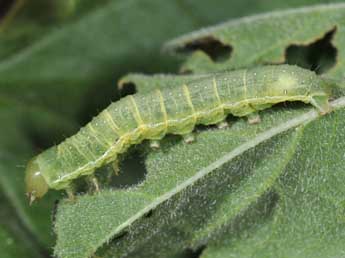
x: 172, y: 110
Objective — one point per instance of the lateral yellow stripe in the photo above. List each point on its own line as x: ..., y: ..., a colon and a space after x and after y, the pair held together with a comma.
x: 136, y: 114
x: 62, y: 154
x: 189, y: 100
x: 163, y: 109
x: 78, y: 150
x: 112, y: 123
x: 216, y: 91
x: 97, y: 139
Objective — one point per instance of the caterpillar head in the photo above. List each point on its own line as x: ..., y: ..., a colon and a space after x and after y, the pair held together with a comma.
x: 36, y: 185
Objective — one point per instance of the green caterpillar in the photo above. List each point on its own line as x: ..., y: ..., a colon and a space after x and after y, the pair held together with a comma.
x: 177, y: 110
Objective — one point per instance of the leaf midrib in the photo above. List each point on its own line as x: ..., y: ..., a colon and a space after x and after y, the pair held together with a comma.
x: 55, y: 34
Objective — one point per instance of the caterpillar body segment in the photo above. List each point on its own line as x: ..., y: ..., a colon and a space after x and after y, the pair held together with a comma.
x: 176, y: 110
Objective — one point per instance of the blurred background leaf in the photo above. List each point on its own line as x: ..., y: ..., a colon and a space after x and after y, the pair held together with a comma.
x: 11, y: 247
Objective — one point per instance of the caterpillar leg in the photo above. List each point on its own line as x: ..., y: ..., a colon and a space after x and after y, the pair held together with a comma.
x: 94, y: 182
x: 223, y: 124
x: 188, y: 138
x: 254, y: 118
x: 112, y: 169
x: 70, y: 193
x: 116, y: 167
x: 154, y: 144
x: 321, y: 104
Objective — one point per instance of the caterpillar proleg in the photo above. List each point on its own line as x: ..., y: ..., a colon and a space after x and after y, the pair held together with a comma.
x: 172, y: 110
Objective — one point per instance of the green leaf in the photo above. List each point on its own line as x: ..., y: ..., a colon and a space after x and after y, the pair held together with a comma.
x: 22, y: 125
x: 259, y: 40
x: 25, y: 22
x: 229, y: 180
x: 309, y: 216
x: 91, y: 52
x: 11, y: 247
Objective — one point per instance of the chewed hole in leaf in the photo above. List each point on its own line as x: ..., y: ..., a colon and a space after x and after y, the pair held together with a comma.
x: 189, y: 253
x: 128, y: 172
x: 127, y: 88
x: 5, y: 6
x: 319, y: 56
x: 214, y: 48
x: 149, y: 214
x: 120, y: 236
x: 132, y: 169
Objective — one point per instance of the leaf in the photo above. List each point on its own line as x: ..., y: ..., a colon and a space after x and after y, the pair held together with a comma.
x: 24, y: 22
x: 258, y: 40
x: 10, y: 247
x: 309, y: 216
x: 227, y: 180
x: 16, y: 148
x: 89, y: 53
